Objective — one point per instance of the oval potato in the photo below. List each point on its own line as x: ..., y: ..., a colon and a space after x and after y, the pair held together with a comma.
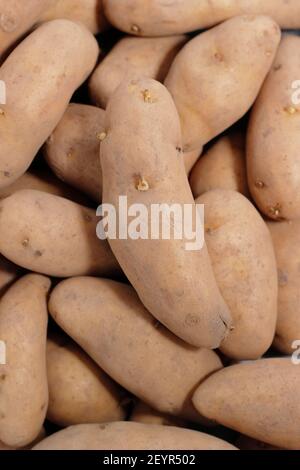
x: 79, y: 391
x: 147, y: 167
x: 109, y: 322
x: 209, y: 78
x: 286, y: 240
x: 257, y: 398
x: 131, y: 436
x: 133, y: 58
x: 165, y: 17
x: 223, y: 166
x: 243, y: 260
x: 41, y: 75
x: 273, y: 140
x: 52, y: 235
x: 23, y: 379
x: 72, y: 151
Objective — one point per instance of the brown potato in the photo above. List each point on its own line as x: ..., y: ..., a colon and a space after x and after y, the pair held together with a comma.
x: 273, y: 138
x: 24, y: 391
x: 43, y: 180
x: 88, y: 12
x: 133, y: 58
x: 41, y: 75
x: 257, y: 398
x: 141, y: 158
x: 164, y: 17
x: 52, y: 235
x: 223, y: 166
x: 286, y: 240
x: 16, y: 18
x: 210, y: 81
x: 109, y: 322
x: 79, y: 392
x: 72, y: 151
x: 131, y: 436
x: 241, y: 250
x: 143, y: 413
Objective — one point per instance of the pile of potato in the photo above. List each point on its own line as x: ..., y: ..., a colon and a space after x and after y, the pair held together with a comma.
x: 149, y: 345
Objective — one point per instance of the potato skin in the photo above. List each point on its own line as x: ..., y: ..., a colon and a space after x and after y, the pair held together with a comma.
x: 194, y: 311
x: 24, y: 391
x: 16, y: 18
x: 243, y: 260
x: 160, y: 18
x: 143, y: 413
x: 72, y: 151
x: 209, y: 78
x: 257, y: 398
x: 286, y: 240
x: 88, y: 12
x: 41, y: 179
x: 41, y: 75
x: 52, y: 235
x: 133, y: 58
x: 79, y: 392
x: 109, y: 322
x: 273, y: 138
x: 131, y: 436
x: 223, y: 166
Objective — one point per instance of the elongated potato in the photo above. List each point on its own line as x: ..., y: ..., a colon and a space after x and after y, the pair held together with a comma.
x: 286, y: 240
x: 273, y: 138
x: 23, y: 379
x: 223, y: 166
x: 52, y: 235
x: 243, y: 260
x: 164, y: 17
x: 133, y: 58
x: 88, y: 12
x: 79, y: 392
x: 72, y: 151
x: 43, y: 180
x: 131, y: 436
x: 41, y: 75
x: 143, y: 413
x: 141, y: 159
x: 257, y: 398
x: 210, y: 81
x: 16, y: 18
x: 109, y: 322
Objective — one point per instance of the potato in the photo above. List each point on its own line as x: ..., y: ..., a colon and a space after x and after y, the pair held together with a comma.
x: 141, y: 159
x: 143, y: 413
x: 79, y: 392
x: 257, y: 398
x: 43, y: 180
x: 133, y: 58
x: 52, y: 235
x: 223, y: 166
x: 210, y: 81
x: 88, y: 12
x: 23, y: 379
x: 109, y: 322
x: 9, y: 272
x: 286, y: 240
x: 273, y: 138
x: 243, y: 260
x: 164, y: 17
x: 16, y: 18
x: 131, y: 436
x: 41, y: 75
x: 72, y: 151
